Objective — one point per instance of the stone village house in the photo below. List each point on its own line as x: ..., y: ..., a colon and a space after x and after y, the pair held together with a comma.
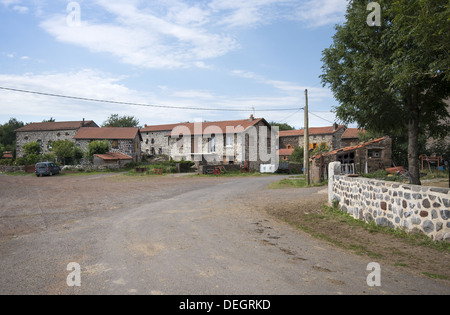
x: 155, y: 139
x: 48, y: 132
x: 328, y: 136
x: 225, y: 142
x: 122, y: 140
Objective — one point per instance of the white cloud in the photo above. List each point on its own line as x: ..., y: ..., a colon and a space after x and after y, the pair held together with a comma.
x: 141, y: 38
x: 318, y: 94
x: 317, y: 13
x: 21, y: 9
x: 181, y: 34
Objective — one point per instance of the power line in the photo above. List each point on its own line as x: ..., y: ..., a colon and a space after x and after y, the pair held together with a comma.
x: 145, y: 105
x: 285, y: 119
x: 331, y: 122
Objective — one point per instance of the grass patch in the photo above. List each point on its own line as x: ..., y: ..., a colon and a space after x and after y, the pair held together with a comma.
x: 435, y: 276
x: 294, y: 182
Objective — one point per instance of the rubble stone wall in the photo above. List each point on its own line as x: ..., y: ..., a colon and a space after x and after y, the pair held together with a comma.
x: 391, y: 204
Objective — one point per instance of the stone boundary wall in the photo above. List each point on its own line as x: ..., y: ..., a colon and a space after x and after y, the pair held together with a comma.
x: 391, y: 204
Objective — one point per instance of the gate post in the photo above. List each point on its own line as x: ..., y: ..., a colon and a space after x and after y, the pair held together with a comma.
x: 334, y: 168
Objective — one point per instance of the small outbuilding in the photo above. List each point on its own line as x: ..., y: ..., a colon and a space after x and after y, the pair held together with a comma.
x: 366, y: 157
x: 112, y: 158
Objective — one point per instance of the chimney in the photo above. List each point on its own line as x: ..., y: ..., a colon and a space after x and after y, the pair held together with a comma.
x: 82, y: 124
x: 335, y: 126
x: 252, y: 118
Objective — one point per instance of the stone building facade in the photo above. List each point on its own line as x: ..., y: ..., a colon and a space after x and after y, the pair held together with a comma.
x: 122, y: 140
x: 225, y: 142
x: 155, y: 139
x: 48, y: 132
x: 330, y: 137
x: 351, y: 137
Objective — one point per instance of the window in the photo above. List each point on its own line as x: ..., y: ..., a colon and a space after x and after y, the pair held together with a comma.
x: 289, y: 146
x: 212, y: 145
x: 115, y: 144
x: 376, y: 154
x: 160, y: 151
x: 229, y: 142
x: 153, y: 141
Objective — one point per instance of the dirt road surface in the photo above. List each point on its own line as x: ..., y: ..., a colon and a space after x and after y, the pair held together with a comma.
x: 173, y: 235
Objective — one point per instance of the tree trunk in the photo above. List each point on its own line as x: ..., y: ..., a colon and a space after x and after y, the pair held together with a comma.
x: 413, y: 147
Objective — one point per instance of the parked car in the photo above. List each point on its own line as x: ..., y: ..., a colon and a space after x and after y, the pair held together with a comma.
x: 47, y: 168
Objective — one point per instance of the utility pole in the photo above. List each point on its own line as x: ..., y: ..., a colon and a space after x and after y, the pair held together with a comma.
x: 306, y: 145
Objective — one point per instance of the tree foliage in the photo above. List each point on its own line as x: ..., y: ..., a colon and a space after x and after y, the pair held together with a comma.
x: 121, y: 121
x: 32, y: 148
x: 282, y: 126
x: 297, y: 155
x: 98, y: 147
x: 393, y: 79
x: 67, y: 151
x: 8, y: 132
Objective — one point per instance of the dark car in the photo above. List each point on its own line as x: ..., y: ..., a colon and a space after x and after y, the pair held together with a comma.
x: 47, y: 168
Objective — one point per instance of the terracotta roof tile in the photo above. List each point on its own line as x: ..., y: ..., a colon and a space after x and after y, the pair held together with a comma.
x: 168, y: 127
x: 285, y: 152
x: 7, y: 155
x: 113, y: 156
x: 312, y: 131
x: 351, y: 148
x: 352, y: 133
x: 53, y: 126
x: 109, y: 133
x: 217, y: 126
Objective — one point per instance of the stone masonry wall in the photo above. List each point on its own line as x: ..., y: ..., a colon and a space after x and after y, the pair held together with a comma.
x: 412, y: 207
x: 43, y: 137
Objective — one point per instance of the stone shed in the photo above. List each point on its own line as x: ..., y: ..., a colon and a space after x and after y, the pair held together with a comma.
x: 366, y: 157
x: 112, y: 159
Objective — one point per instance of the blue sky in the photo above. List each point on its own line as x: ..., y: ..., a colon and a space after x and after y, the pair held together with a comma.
x: 217, y: 54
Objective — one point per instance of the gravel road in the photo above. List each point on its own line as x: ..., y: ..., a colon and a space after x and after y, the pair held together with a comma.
x: 171, y: 235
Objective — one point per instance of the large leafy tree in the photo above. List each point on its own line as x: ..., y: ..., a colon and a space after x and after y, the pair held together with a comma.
x: 393, y: 78
x: 121, y: 121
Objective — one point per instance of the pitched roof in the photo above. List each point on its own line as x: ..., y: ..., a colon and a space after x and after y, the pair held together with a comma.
x: 352, y: 133
x: 312, y: 131
x: 54, y: 126
x: 109, y: 133
x: 285, y: 152
x: 7, y: 155
x: 168, y: 127
x: 351, y: 148
x: 113, y: 156
x: 236, y: 126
